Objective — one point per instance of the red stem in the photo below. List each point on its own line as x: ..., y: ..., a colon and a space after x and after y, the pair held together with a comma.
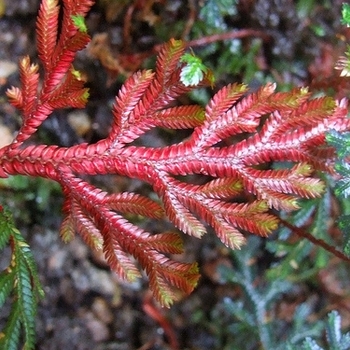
x: 319, y: 242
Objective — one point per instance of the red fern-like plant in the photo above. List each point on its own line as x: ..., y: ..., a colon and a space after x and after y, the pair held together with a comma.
x: 280, y: 127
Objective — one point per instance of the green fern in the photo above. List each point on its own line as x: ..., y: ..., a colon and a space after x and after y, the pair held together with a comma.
x: 335, y: 339
x: 346, y: 14
x: 21, y: 280
x: 341, y: 143
x: 193, y: 72
x: 254, y: 313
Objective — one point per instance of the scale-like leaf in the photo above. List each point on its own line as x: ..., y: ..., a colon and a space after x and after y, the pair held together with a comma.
x: 166, y: 242
x: 181, y: 117
x: 6, y: 284
x: 128, y: 202
x: 10, y: 336
x: 47, y: 31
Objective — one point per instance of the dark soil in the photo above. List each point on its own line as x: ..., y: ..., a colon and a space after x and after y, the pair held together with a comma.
x: 85, y: 305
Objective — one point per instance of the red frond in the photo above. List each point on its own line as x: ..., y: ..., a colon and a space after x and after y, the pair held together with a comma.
x: 87, y: 229
x: 47, y: 31
x: 71, y: 86
x: 224, y: 119
x: 134, y: 203
x: 182, y: 218
x: 72, y: 99
x: 290, y: 100
x: 168, y: 60
x: 67, y: 228
x: 182, y: 117
x: 227, y: 234
x: 79, y: 7
x: 15, y: 97
x: 292, y: 181
x: 181, y: 275
x: 223, y: 188
x: 260, y: 224
x: 284, y: 127
x: 29, y: 80
x: 125, y: 112
x: 63, y: 63
x: 161, y: 290
x: 118, y: 260
x: 170, y: 274
x: 166, y: 242
x: 224, y: 99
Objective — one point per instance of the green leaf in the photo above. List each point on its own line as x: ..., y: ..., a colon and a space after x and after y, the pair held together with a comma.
x: 6, y: 284
x: 5, y: 228
x: 309, y: 344
x: 9, y: 338
x: 346, y: 14
x: 336, y: 340
x: 192, y: 73
x: 21, y: 280
x: 79, y: 22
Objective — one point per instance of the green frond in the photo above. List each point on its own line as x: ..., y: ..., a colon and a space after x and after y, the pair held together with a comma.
x: 27, y: 304
x: 79, y: 22
x: 346, y: 14
x: 340, y: 141
x: 309, y: 344
x: 342, y: 188
x: 21, y: 279
x: 6, y: 284
x: 193, y: 71
x: 344, y: 225
x: 335, y: 339
x: 5, y: 228
x: 30, y: 266
x: 10, y: 336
